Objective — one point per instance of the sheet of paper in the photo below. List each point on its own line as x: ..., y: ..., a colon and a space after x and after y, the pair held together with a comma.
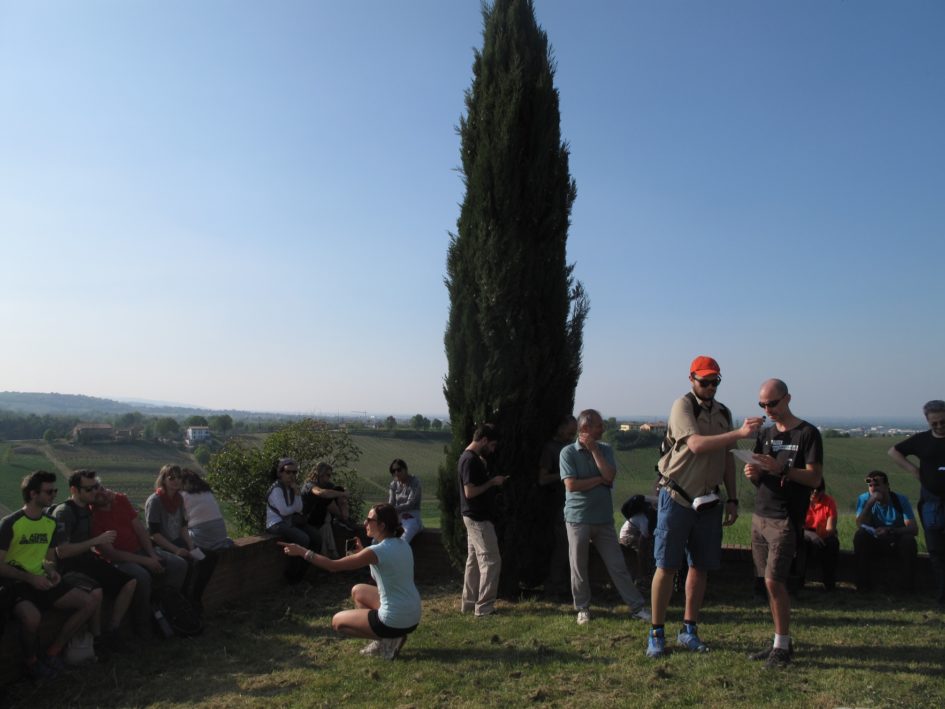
x: 745, y: 456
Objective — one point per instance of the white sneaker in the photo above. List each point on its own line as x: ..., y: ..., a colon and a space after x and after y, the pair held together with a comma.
x: 584, y: 617
x: 372, y: 648
x: 390, y: 647
x: 641, y: 613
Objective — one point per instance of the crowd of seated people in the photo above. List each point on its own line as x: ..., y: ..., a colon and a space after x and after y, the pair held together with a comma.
x: 95, y: 544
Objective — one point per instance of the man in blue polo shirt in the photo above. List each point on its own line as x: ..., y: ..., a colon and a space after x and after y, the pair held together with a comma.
x: 886, y: 528
x: 588, y: 470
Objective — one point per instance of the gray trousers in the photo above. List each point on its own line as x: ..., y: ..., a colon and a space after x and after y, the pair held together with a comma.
x: 483, y: 564
x: 605, y: 541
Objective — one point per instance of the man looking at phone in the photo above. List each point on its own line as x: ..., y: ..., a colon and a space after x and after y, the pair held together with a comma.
x: 695, y: 462
x: 477, y: 491
x: 588, y: 469
x: 788, y: 464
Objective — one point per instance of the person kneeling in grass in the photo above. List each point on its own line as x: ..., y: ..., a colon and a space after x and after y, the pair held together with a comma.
x: 385, y: 613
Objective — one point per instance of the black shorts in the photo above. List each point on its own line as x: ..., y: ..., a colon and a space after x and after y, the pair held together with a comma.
x: 43, y: 600
x: 110, y: 578
x: 385, y: 631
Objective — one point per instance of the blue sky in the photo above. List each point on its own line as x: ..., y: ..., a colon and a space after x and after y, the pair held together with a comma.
x: 247, y: 205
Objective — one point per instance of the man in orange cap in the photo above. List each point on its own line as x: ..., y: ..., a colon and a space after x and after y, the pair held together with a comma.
x: 695, y: 461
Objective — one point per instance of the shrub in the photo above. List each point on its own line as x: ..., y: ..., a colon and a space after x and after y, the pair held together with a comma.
x: 241, y: 472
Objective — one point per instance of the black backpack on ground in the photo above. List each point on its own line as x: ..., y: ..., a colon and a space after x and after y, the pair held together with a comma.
x: 174, y: 614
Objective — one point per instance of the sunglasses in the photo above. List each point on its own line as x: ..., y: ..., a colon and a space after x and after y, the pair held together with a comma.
x: 875, y: 481
x: 770, y: 404
x: 397, y: 470
x: 369, y: 519
x: 90, y: 488
x: 708, y: 382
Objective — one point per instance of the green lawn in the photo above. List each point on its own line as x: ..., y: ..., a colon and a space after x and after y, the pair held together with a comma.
x: 279, y: 651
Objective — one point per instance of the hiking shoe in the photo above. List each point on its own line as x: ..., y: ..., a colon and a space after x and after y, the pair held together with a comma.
x: 655, y: 643
x: 691, y: 642
x: 583, y: 617
x: 779, y: 658
x: 53, y: 662
x: 39, y: 671
x: 761, y: 654
x: 641, y: 613
x: 391, y: 647
x: 373, y: 647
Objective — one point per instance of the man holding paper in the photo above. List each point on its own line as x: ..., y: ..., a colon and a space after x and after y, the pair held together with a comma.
x: 788, y: 463
x: 689, y: 518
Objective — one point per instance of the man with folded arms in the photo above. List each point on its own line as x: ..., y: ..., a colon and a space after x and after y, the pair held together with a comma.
x: 588, y: 469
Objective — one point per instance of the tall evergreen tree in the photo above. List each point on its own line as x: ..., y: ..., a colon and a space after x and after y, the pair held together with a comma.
x: 514, y: 337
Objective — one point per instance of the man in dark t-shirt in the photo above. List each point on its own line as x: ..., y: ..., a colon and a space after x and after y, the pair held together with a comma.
x: 788, y: 463
x: 929, y: 448
x: 477, y: 489
x: 74, y: 527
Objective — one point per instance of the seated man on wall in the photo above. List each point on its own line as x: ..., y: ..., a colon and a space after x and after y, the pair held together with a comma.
x: 886, y: 528
x: 27, y: 558
x: 74, y: 527
x: 821, y: 542
x: 133, y: 553
x: 321, y: 497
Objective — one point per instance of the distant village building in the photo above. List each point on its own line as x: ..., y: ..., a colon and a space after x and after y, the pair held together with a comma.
x: 658, y: 427
x: 195, y: 435
x: 90, y: 432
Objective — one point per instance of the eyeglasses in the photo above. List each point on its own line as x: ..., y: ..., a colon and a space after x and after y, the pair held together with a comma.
x: 708, y: 382
x: 770, y: 404
x: 397, y: 470
x: 90, y: 488
x: 369, y: 520
x: 290, y: 471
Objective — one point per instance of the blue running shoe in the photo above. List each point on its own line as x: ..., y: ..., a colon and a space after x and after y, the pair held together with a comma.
x: 655, y: 643
x: 691, y: 641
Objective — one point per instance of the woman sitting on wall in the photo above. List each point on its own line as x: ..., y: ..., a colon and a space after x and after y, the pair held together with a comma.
x: 284, y: 516
x: 205, y: 526
x: 404, y: 495
x: 167, y: 525
x: 385, y: 613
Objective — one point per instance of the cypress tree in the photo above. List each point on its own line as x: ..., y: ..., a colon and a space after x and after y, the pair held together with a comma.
x: 514, y: 336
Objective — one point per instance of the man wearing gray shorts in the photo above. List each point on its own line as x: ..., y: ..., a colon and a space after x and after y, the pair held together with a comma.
x: 789, y: 461
x: 698, y: 437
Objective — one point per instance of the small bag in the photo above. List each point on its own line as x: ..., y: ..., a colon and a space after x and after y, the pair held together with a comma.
x: 80, y: 650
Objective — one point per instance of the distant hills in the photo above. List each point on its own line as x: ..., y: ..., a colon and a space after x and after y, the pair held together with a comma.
x: 81, y: 406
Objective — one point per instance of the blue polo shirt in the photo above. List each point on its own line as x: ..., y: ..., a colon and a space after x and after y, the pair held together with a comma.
x: 594, y: 506
x: 886, y: 515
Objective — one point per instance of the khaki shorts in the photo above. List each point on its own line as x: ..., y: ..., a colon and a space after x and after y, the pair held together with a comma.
x: 773, y: 544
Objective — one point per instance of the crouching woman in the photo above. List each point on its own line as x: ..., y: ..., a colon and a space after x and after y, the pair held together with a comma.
x: 388, y: 612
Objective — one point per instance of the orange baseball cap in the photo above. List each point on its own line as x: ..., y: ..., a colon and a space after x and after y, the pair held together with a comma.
x: 702, y: 365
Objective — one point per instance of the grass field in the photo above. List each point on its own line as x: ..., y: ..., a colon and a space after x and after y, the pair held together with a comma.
x: 131, y: 468
x: 279, y: 651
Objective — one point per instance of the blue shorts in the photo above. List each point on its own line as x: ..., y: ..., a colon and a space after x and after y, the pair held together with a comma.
x: 681, y: 529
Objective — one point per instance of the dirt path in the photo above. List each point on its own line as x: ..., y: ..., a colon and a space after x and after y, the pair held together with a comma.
x: 50, y: 454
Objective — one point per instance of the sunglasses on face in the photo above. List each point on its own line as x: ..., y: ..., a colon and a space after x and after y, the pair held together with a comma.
x: 397, y: 470
x: 770, y: 404
x: 708, y: 382
x: 90, y: 488
x: 875, y: 481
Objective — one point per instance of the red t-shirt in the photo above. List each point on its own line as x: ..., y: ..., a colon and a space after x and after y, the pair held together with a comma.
x: 119, y: 517
x: 818, y: 513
